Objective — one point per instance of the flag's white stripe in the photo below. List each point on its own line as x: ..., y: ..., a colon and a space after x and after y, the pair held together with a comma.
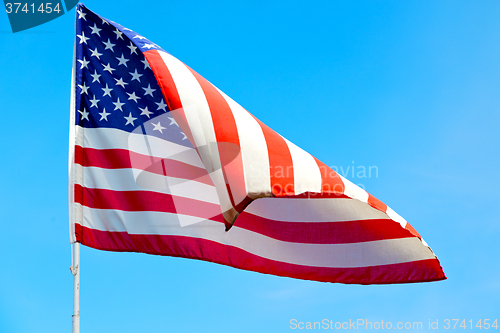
x: 111, y: 138
x: 158, y: 223
x: 254, y: 151
x: 354, y: 191
x: 306, y: 173
x: 313, y: 210
x: 125, y: 180
x: 153, y: 146
x: 199, y: 118
x: 373, y: 253
x: 196, y: 108
x: 396, y: 217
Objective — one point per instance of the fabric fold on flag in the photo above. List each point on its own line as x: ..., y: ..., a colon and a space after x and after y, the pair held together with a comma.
x: 163, y: 162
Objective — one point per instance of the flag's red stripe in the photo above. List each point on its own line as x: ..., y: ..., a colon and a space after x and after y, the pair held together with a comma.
x: 169, y: 90
x: 124, y: 159
x: 226, y: 134
x: 412, y: 230
x: 280, y: 162
x: 136, y: 201
x: 330, y: 180
x: 164, y: 79
x: 197, y: 248
x: 323, y: 232
x: 376, y: 203
x: 332, y: 183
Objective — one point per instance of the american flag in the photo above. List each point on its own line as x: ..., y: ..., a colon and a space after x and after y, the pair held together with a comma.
x: 163, y: 162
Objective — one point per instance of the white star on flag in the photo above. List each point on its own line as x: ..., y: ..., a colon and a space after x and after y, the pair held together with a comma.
x: 136, y: 76
x: 82, y: 37
x: 133, y: 97
x: 94, y: 102
x: 146, y: 64
x: 118, y: 34
x: 109, y: 45
x: 132, y: 48
x: 158, y: 127
x: 109, y: 69
x: 173, y: 122
x: 83, y: 63
x: 161, y: 106
x: 118, y: 105
x: 130, y: 119
x: 145, y: 112
x: 95, y: 76
x: 85, y: 114
x: 149, y: 90
x: 104, y: 115
x: 107, y: 91
x: 95, y: 30
x: 96, y: 54
x: 122, y: 61
x: 81, y: 15
x: 120, y: 82
x: 84, y: 88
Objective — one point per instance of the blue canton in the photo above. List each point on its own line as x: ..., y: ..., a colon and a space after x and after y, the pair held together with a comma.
x: 115, y: 87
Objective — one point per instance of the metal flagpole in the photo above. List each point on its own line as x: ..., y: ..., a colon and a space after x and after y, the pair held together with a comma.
x: 75, y: 270
x: 75, y: 257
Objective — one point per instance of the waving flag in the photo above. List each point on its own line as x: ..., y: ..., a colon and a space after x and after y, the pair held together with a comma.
x: 163, y: 162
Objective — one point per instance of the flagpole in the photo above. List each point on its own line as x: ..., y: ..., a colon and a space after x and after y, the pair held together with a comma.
x: 75, y: 257
x: 75, y: 270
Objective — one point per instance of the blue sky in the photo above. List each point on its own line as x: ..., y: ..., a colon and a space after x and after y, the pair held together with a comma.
x: 409, y: 87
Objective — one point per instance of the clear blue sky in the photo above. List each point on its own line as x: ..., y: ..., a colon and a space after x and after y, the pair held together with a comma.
x: 409, y: 87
